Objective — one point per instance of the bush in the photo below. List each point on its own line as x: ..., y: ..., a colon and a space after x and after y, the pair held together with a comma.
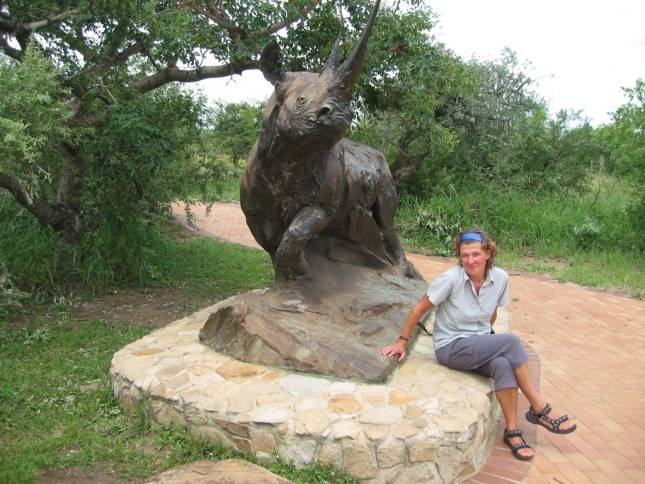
x: 11, y: 298
x: 549, y: 222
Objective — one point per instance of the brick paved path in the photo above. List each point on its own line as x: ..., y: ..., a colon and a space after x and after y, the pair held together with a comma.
x: 591, y: 346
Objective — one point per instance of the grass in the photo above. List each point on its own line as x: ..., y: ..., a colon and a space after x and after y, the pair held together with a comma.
x: 57, y: 408
x: 587, y: 239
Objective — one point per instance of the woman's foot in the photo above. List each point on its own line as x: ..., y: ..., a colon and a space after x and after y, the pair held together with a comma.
x: 519, y: 448
x: 558, y: 424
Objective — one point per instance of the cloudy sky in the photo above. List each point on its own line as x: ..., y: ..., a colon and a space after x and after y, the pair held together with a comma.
x: 581, y: 52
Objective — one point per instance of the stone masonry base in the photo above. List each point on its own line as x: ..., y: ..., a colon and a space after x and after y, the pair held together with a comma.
x: 426, y: 424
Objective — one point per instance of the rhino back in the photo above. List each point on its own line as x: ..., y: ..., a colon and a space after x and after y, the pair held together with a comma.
x: 366, y: 172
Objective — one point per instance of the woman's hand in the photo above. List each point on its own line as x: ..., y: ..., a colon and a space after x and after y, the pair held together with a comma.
x: 397, y: 348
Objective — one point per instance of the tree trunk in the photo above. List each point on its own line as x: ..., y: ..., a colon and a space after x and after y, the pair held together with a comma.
x: 64, y: 214
x: 67, y: 213
x: 409, y: 164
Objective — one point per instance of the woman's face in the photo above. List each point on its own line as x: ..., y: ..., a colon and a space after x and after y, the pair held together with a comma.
x: 473, y: 258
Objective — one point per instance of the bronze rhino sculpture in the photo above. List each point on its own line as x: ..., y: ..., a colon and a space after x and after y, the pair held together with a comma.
x: 303, y: 179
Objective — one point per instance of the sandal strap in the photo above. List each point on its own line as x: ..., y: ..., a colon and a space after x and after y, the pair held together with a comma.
x: 556, y: 423
x: 513, y: 433
x: 517, y: 447
x: 545, y: 411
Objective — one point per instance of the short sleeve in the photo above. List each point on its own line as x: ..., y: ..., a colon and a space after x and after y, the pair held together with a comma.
x: 440, y: 289
x: 504, y: 296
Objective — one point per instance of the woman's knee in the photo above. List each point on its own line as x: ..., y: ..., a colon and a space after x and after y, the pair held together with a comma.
x: 500, y: 366
x: 514, y: 350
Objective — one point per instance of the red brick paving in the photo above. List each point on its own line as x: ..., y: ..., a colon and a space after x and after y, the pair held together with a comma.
x: 591, y: 347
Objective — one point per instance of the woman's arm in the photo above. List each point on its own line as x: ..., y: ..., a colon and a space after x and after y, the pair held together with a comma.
x: 398, y: 348
x: 493, y: 318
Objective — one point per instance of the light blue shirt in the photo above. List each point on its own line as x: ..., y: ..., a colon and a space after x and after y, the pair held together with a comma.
x: 460, y: 311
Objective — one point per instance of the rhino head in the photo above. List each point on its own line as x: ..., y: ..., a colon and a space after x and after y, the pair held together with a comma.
x: 312, y: 111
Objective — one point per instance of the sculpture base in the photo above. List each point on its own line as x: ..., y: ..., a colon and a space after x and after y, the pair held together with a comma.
x: 426, y: 424
x: 334, y: 322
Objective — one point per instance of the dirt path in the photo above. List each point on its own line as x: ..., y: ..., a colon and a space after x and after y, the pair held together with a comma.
x: 590, y: 345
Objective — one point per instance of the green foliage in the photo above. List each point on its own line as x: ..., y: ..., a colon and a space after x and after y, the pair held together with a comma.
x: 31, y: 254
x: 138, y: 155
x: 33, y: 117
x: 626, y: 139
x: 565, y: 221
x: 408, y: 95
x: 586, y: 234
x: 627, y: 135
x: 27, y: 249
x: 11, y: 298
x: 147, y: 155
x: 235, y: 129
x: 444, y: 123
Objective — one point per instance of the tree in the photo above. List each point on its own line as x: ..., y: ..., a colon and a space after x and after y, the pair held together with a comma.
x: 99, y: 73
x: 235, y: 129
x: 411, y: 94
x: 626, y: 139
x: 627, y: 134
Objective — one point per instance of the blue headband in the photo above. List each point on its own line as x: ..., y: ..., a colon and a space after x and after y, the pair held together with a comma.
x: 471, y: 236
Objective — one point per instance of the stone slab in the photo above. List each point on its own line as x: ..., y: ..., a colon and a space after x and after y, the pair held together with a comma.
x: 332, y: 322
x: 230, y: 471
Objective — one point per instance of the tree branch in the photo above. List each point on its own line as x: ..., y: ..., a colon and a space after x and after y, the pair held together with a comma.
x: 173, y: 74
x: 289, y: 19
x: 217, y: 16
x: 39, y: 24
x: 39, y: 208
x: 16, y: 190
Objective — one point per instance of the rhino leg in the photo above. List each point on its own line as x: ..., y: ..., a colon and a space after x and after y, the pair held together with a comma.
x: 289, y: 260
x: 384, y: 213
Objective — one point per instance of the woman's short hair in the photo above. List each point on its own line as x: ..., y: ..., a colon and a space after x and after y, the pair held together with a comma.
x: 488, y: 244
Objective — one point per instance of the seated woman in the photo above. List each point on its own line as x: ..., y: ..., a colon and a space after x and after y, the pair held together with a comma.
x: 467, y: 298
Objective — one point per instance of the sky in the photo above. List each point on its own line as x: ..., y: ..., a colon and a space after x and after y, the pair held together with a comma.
x: 580, y: 52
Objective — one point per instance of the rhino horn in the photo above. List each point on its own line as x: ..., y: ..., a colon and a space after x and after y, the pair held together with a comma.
x: 347, y: 74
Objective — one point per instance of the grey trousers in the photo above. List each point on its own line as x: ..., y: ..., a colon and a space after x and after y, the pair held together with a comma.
x: 493, y: 355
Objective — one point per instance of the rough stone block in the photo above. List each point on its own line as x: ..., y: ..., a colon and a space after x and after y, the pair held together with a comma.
x: 331, y: 453
x: 423, y: 451
x: 344, y: 403
x: 311, y: 422
x: 381, y: 416
x: 360, y: 462
x: 345, y: 428
x: 390, y: 453
x: 300, y: 452
x: 263, y: 440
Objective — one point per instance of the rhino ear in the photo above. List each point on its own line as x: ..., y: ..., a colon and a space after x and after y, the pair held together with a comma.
x: 271, y: 63
x: 332, y: 62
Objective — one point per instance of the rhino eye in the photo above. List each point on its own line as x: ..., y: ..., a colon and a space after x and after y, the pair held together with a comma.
x: 301, y: 101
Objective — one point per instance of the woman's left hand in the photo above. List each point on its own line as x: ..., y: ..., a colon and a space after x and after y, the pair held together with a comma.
x: 397, y: 348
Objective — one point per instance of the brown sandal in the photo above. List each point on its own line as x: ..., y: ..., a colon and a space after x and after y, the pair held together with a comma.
x: 539, y: 418
x: 515, y: 448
